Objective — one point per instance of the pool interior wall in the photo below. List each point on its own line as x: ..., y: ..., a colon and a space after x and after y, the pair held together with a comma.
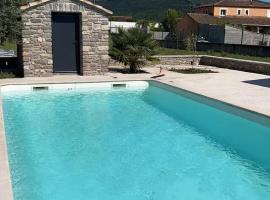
x: 147, y: 113
x: 243, y: 131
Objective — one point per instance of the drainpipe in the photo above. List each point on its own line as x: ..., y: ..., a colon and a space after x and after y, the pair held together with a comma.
x: 177, y: 42
x: 242, y: 37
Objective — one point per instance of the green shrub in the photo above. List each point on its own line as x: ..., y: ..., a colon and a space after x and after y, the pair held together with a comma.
x: 133, y: 48
x: 190, y: 43
x: 223, y: 54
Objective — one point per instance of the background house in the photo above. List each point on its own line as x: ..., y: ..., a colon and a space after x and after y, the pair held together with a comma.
x: 228, y: 21
x: 228, y: 30
x: 252, y: 8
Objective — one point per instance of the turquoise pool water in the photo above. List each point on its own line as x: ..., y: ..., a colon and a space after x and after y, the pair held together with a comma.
x: 118, y: 144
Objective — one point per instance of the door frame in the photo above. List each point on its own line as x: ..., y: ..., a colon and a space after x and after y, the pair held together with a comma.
x: 79, y: 48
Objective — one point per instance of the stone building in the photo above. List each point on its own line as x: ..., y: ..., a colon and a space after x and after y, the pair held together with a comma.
x: 64, y: 36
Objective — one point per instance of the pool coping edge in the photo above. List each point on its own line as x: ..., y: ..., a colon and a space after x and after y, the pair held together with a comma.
x: 5, y: 183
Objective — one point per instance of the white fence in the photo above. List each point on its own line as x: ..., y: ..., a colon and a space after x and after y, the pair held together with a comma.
x: 6, y: 53
x: 160, y: 35
x: 115, y: 26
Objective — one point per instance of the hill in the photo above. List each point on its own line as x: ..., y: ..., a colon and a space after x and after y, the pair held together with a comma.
x: 148, y: 9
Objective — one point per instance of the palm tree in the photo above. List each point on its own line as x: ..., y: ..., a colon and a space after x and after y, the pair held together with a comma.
x: 133, y: 48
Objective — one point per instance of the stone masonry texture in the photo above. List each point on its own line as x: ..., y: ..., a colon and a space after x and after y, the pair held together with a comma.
x: 37, y: 56
x: 229, y: 63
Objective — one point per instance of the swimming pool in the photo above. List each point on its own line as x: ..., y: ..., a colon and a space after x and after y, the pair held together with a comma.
x: 143, y: 140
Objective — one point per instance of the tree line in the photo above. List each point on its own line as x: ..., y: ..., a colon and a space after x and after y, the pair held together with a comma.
x: 10, y: 25
x: 167, y: 24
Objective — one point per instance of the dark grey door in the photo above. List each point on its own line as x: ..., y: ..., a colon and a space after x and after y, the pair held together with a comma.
x: 66, y: 42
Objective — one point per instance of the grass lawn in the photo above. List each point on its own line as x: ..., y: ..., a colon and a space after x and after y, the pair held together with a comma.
x: 9, y: 46
x: 166, y: 51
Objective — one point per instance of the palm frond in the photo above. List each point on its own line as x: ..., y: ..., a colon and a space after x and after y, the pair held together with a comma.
x: 133, y: 47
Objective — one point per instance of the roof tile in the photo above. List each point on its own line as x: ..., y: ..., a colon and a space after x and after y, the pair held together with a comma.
x: 240, y: 3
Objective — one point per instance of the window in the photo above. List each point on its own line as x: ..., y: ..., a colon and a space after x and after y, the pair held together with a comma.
x: 223, y: 12
x: 238, y: 11
x: 247, y: 12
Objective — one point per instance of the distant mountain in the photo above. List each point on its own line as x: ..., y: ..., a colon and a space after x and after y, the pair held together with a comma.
x: 149, y: 9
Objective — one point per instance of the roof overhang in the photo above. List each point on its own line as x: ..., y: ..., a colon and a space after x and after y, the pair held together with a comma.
x: 37, y: 3
x: 259, y: 25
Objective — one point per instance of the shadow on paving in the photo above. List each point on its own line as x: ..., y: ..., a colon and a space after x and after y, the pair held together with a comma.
x: 260, y: 82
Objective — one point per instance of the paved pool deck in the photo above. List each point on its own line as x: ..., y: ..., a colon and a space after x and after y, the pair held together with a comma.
x: 230, y: 86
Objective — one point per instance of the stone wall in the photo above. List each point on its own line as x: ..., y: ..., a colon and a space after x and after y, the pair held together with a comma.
x: 237, y: 64
x: 37, y: 38
x: 229, y: 63
x: 178, y: 60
